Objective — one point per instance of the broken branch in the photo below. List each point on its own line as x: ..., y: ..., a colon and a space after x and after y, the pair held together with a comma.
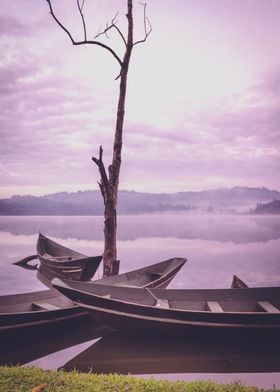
x: 80, y: 8
x: 147, y: 27
x: 104, y: 183
x: 112, y: 25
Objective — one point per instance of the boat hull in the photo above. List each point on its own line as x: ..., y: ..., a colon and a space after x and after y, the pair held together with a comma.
x: 59, y: 261
x: 20, y: 316
x: 138, y: 314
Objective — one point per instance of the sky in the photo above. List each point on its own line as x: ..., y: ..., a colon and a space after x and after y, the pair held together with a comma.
x: 202, y: 101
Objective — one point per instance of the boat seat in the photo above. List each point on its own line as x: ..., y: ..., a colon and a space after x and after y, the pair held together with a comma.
x: 268, y: 307
x: 42, y: 305
x: 214, y: 307
x: 155, y: 275
x: 106, y: 296
x: 162, y: 303
x: 62, y: 258
x: 126, y: 285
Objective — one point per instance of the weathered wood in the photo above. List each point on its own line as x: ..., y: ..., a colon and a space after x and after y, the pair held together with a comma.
x: 24, y: 262
x: 214, y: 307
x: 155, y: 275
x: 44, y: 305
x: 162, y: 303
x: 135, y: 309
x: 57, y: 260
x: 32, y: 312
x: 237, y: 283
x: 268, y: 307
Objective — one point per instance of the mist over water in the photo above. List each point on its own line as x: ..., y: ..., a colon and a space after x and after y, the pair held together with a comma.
x: 217, y: 246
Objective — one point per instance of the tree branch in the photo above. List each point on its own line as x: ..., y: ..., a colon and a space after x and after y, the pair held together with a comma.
x: 104, y: 183
x: 59, y: 23
x: 113, y: 25
x: 85, y: 41
x: 107, y: 28
x: 147, y: 27
x: 80, y: 8
x: 121, y: 34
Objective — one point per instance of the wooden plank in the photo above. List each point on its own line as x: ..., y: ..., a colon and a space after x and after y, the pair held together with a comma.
x: 268, y: 307
x: 126, y: 285
x: 44, y: 305
x: 214, y: 307
x: 62, y: 258
x: 106, y: 296
x: 162, y: 303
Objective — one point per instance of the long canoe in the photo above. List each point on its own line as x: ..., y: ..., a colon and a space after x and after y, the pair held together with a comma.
x: 30, y: 312
x: 27, y: 314
x: 157, y: 275
x: 179, y: 311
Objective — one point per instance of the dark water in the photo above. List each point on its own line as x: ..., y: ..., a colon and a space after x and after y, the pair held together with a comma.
x: 217, y: 247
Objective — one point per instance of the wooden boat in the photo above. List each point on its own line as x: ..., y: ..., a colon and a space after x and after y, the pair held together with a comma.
x: 157, y: 275
x: 24, y: 263
x: 39, y: 323
x: 179, y: 311
x: 46, y: 273
x: 31, y: 312
x: 26, y: 314
x: 57, y: 260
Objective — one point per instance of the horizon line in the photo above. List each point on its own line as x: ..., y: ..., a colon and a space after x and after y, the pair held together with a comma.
x: 131, y: 190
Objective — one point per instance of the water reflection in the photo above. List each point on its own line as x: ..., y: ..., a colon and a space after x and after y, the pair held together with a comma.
x: 217, y: 248
x: 238, y: 229
x: 244, y: 245
x: 136, y: 354
x: 25, y: 347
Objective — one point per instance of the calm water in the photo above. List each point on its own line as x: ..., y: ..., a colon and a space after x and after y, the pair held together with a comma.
x: 216, y: 247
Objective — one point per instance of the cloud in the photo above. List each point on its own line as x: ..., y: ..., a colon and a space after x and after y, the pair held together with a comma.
x: 11, y: 26
x: 58, y: 104
x: 50, y: 124
x: 230, y: 141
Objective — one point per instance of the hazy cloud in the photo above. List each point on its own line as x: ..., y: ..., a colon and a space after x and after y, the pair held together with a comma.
x: 202, y: 110
x: 11, y: 26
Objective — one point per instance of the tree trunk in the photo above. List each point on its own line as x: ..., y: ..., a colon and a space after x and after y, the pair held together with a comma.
x: 109, y: 183
x: 110, y: 262
x: 110, y: 240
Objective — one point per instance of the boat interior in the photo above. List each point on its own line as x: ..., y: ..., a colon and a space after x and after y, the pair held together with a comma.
x: 140, y: 277
x: 265, y: 300
x: 36, y: 301
x: 50, y: 249
x: 136, y: 281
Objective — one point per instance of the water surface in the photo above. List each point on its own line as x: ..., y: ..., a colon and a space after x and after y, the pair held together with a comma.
x: 217, y: 247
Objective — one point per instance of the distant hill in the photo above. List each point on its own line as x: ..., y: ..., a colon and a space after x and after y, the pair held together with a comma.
x: 268, y: 208
x: 234, y: 200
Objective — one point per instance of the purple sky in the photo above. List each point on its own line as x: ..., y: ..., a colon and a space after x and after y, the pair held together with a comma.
x: 202, y: 105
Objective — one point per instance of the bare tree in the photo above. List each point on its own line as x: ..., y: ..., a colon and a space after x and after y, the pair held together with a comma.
x: 109, y: 179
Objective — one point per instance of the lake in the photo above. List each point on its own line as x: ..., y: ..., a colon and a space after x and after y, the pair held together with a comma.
x: 216, y: 246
